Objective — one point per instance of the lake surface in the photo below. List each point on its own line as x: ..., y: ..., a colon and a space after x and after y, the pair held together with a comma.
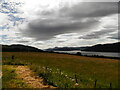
x: 90, y: 53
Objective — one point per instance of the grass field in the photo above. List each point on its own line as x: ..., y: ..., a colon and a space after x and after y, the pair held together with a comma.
x: 65, y: 71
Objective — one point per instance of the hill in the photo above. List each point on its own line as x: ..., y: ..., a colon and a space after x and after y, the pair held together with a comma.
x: 112, y: 47
x: 19, y: 48
x: 65, y: 48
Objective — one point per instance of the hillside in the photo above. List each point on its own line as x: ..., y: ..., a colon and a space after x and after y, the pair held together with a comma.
x: 65, y: 48
x: 113, y: 47
x: 19, y: 48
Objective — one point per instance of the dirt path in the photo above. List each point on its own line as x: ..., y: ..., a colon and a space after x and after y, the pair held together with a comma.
x: 29, y: 78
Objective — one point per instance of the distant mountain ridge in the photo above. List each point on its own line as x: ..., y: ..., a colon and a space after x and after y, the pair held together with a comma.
x: 65, y: 48
x: 113, y: 47
x: 19, y: 48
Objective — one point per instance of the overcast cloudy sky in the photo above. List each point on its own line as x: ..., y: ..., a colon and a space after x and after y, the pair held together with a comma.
x: 51, y: 23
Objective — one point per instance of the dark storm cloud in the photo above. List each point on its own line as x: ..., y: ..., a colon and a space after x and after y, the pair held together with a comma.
x: 78, y: 18
x: 46, y: 29
x: 97, y: 34
x: 90, y: 9
x: 22, y: 41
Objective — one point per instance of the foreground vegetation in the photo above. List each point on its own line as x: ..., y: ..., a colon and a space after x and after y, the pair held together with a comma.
x: 68, y: 71
x: 10, y: 79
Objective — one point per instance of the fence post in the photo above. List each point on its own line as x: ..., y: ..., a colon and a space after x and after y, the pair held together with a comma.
x: 95, y: 84
x: 46, y: 69
x: 13, y: 57
x: 110, y: 85
x: 60, y: 72
x: 76, y: 79
x: 66, y: 85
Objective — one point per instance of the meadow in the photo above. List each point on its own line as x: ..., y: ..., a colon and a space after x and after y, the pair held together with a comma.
x: 67, y: 71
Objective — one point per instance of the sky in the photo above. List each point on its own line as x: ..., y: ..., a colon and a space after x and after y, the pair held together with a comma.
x: 58, y: 23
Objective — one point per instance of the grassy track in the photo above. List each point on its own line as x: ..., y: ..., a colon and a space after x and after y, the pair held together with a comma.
x: 60, y: 69
x: 10, y: 79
